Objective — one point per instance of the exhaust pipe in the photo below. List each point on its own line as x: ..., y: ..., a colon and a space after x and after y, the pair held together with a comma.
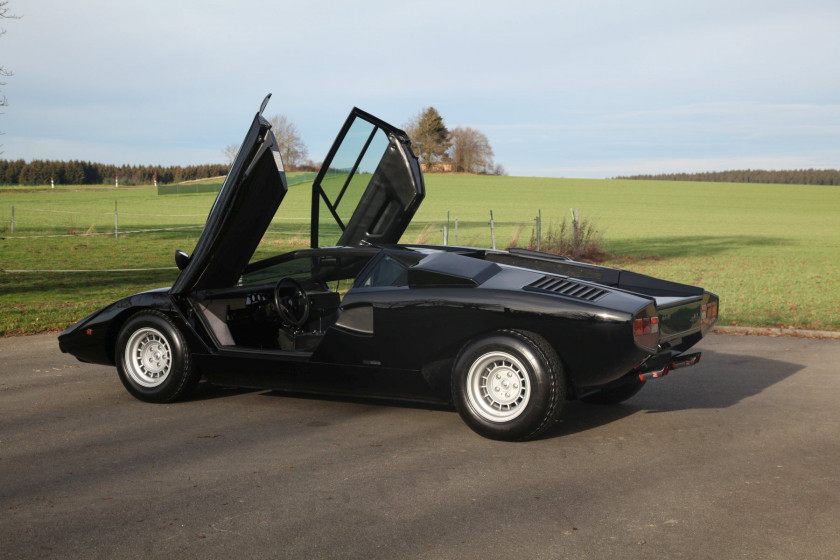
x: 679, y: 362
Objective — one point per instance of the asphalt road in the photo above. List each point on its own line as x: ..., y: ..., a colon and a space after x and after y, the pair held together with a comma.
x: 738, y: 457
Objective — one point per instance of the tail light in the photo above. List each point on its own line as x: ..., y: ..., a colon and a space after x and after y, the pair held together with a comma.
x: 646, y: 328
x: 708, y: 311
x: 645, y: 325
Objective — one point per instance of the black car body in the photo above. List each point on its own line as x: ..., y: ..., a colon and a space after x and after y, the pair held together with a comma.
x: 505, y: 336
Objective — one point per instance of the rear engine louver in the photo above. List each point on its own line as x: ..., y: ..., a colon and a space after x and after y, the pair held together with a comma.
x: 566, y: 287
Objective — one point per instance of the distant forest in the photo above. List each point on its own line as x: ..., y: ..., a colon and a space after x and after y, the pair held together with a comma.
x: 39, y: 172
x: 788, y: 177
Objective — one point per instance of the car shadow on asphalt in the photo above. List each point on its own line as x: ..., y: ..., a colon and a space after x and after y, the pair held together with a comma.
x: 719, y: 381
x: 376, y: 401
x: 207, y: 391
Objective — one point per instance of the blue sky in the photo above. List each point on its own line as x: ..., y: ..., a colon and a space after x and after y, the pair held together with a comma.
x: 564, y: 88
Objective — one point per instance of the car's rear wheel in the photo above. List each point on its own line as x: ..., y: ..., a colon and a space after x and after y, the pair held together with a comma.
x: 614, y: 395
x: 153, y: 360
x: 508, y: 385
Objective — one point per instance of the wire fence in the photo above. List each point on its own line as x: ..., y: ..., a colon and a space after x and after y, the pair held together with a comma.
x: 24, y: 222
x: 27, y: 222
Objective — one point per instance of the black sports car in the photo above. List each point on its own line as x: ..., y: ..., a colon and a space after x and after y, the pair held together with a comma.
x: 505, y: 336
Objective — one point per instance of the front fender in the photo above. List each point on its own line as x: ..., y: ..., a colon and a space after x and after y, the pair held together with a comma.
x: 93, y: 338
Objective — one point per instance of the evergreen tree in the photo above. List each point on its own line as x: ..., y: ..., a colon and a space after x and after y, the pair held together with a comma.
x: 39, y: 172
x: 429, y: 136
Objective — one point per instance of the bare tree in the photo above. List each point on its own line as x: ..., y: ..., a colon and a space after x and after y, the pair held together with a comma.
x: 4, y: 72
x: 499, y: 169
x: 429, y: 136
x: 292, y: 148
x: 230, y: 153
x: 471, y: 151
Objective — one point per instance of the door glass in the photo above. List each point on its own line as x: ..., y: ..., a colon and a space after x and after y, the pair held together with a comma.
x: 361, y: 178
x: 348, y: 177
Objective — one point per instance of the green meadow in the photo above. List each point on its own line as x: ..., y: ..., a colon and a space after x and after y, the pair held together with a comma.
x: 772, y: 252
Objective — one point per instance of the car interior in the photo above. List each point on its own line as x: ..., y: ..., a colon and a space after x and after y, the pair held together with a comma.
x: 288, y: 302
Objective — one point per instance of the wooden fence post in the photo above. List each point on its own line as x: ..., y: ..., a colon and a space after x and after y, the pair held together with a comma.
x: 446, y: 231
x: 456, y: 230
x: 492, y: 230
x: 539, y: 228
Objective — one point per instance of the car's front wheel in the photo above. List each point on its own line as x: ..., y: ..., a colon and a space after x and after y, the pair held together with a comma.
x: 509, y: 385
x: 153, y: 360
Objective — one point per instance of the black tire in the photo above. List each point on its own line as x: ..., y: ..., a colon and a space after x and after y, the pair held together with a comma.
x: 614, y: 395
x: 525, y: 395
x: 153, y: 360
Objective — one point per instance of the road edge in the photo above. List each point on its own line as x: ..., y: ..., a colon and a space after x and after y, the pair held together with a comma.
x: 777, y: 332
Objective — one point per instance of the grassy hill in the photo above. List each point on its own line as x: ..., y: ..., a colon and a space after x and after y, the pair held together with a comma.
x: 770, y: 251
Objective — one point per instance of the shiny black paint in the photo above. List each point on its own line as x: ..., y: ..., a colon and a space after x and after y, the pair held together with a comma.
x: 416, y: 333
x: 253, y: 190
x: 93, y: 338
x: 415, y: 326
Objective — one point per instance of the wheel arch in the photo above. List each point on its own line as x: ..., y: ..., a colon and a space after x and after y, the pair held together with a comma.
x: 146, y: 302
x: 439, y: 368
x: 527, y: 332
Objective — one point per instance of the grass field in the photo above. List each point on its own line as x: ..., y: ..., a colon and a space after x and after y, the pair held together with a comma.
x: 771, y: 251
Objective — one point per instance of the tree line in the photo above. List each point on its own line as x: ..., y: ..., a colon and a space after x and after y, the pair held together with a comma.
x: 461, y: 150
x: 785, y: 177
x: 74, y: 172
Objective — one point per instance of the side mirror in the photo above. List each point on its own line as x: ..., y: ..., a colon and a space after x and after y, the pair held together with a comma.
x: 181, y: 260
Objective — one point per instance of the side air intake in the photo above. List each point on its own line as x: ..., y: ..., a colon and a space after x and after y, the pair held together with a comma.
x: 566, y: 287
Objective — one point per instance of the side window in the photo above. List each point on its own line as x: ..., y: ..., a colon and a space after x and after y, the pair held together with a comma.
x: 321, y: 268
x: 300, y: 269
x: 388, y: 272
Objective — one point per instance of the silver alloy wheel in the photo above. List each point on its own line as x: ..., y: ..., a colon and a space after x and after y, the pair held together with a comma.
x: 148, y: 357
x: 498, y: 388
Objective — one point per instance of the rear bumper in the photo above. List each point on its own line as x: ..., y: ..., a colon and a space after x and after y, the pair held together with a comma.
x: 662, y: 367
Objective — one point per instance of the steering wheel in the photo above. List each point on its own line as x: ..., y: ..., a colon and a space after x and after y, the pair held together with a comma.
x: 293, y: 309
